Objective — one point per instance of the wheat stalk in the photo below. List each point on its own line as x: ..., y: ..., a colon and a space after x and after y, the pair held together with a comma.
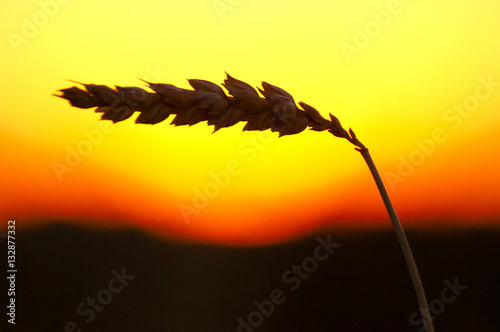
x: 276, y: 111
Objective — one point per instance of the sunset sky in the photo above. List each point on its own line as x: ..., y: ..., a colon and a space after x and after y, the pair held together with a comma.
x: 418, y: 81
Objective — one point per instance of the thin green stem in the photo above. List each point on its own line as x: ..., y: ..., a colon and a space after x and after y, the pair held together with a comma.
x: 403, y: 242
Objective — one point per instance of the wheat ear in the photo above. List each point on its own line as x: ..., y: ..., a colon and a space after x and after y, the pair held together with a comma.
x: 276, y: 110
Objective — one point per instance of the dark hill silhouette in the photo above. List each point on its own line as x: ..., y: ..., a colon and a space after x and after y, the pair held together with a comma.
x: 362, y: 286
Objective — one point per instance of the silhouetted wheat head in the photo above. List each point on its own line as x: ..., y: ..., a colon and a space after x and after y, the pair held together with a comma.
x: 276, y: 110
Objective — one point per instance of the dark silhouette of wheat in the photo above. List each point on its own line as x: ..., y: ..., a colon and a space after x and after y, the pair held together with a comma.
x: 276, y: 111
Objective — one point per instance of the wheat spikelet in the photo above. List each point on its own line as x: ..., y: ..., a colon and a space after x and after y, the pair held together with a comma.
x: 276, y: 110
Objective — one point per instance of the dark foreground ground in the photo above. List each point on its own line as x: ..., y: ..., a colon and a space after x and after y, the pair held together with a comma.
x: 73, y: 279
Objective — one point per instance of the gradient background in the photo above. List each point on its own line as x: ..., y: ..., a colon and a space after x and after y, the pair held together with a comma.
x: 394, y: 92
